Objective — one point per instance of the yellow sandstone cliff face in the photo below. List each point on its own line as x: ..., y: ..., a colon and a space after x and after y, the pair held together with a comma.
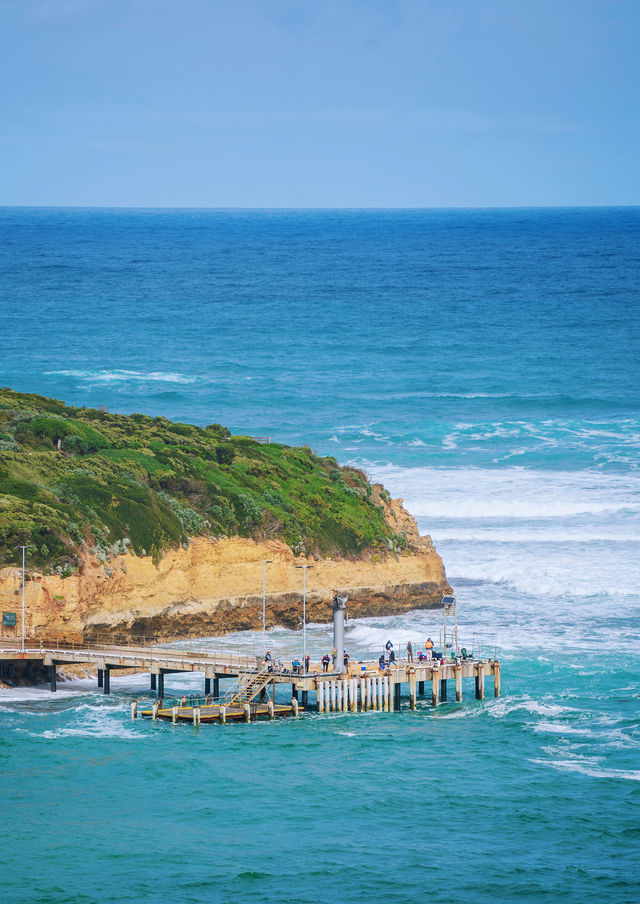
x: 215, y: 586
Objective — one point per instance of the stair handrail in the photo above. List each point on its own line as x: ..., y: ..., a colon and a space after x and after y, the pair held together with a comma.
x: 259, y: 678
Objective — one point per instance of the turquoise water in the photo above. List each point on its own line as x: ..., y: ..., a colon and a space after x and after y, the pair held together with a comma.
x: 484, y: 364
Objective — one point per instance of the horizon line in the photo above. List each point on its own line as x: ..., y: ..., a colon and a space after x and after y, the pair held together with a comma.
x: 314, y: 208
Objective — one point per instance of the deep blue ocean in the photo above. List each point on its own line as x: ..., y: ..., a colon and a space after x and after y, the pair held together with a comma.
x: 485, y: 365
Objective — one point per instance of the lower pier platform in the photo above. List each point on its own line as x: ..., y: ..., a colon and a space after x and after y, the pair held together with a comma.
x: 218, y: 712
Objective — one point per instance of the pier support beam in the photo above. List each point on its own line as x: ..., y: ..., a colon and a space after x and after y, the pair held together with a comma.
x: 207, y: 686
x: 496, y: 679
x: 412, y: 689
x: 216, y: 688
x: 397, y: 689
x: 435, y: 679
x: 480, y: 682
x: 53, y: 677
x: 458, y: 671
x: 305, y: 699
x: 294, y: 692
x: 100, y: 677
x: 160, y: 684
x: 107, y: 680
x: 153, y: 680
x: 320, y: 696
x: 443, y: 689
x: 421, y: 688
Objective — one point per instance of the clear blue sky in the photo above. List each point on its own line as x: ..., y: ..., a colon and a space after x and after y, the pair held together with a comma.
x: 320, y: 103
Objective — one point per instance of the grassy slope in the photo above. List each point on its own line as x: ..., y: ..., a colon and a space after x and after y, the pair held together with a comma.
x: 146, y: 484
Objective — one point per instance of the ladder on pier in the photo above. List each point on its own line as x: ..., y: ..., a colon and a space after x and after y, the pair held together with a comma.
x: 248, y: 686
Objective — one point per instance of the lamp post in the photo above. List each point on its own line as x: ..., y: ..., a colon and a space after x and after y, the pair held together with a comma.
x: 304, y: 614
x: 24, y: 552
x: 265, y: 562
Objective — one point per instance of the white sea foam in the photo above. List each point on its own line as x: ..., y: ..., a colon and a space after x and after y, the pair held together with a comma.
x: 120, y: 376
x: 538, y: 533
x: 482, y: 493
x: 573, y: 765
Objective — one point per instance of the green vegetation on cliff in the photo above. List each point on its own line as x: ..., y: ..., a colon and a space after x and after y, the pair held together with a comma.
x: 73, y: 476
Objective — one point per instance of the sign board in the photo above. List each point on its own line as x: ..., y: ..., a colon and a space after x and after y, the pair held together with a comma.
x: 9, y: 619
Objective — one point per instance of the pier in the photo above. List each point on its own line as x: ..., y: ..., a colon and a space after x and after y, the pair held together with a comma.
x: 350, y: 685
x: 363, y: 687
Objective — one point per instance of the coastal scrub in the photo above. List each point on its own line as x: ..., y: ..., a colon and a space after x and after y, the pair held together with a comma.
x: 77, y: 481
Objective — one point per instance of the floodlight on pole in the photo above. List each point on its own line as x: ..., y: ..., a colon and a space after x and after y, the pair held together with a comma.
x: 265, y: 562
x: 304, y: 614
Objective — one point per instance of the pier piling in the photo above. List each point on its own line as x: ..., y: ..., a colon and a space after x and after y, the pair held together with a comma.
x: 458, y: 671
x: 412, y: 689
x: 107, y: 681
x: 53, y: 677
x: 443, y: 689
x: 435, y: 696
x: 480, y: 681
x: 134, y: 710
x: 153, y: 679
x: 496, y: 679
x: 101, y: 677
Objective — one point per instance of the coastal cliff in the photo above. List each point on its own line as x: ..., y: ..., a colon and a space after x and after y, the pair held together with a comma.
x: 213, y: 587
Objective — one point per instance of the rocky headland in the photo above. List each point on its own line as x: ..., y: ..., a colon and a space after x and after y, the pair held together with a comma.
x: 87, y: 491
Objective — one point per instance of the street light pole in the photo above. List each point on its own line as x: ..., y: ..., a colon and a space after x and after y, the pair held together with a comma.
x: 304, y: 614
x: 24, y: 551
x: 265, y: 562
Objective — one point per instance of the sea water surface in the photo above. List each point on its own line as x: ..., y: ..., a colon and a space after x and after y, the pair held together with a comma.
x: 483, y: 364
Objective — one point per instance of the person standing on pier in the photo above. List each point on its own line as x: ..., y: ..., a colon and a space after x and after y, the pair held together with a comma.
x: 326, y: 659
x: 307, y: 660
x: 409, y: 651
x: 346, y: 662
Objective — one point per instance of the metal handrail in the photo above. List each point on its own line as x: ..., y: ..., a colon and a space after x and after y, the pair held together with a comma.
x: 243, y: 681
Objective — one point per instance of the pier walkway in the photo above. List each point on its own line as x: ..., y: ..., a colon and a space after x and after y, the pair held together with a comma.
x: 364, y: 687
